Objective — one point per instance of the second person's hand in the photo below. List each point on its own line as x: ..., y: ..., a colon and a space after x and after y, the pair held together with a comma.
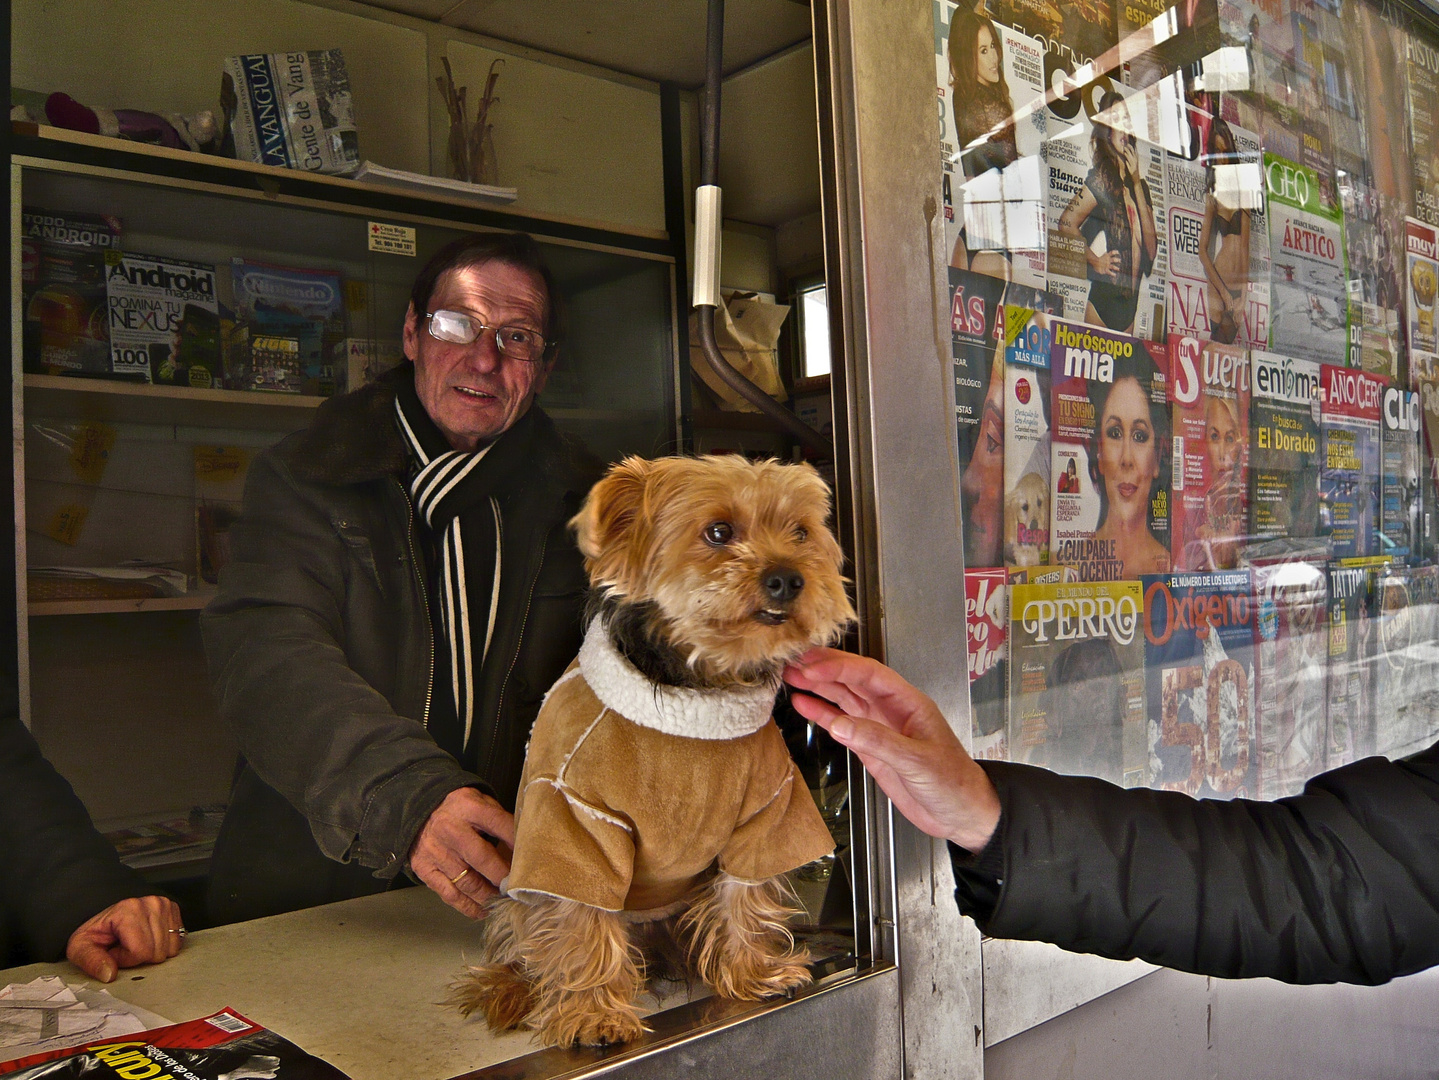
x: 903, y: 740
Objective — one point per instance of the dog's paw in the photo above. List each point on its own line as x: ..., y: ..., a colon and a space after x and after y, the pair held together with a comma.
x: 604, y: 1028
x: 500, y: 992
x: 754, y: 978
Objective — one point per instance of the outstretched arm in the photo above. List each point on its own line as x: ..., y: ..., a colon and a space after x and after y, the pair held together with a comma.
x: 904, y: 741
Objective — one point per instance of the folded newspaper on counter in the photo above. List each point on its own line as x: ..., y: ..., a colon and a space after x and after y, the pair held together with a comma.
x: 224, y: 1046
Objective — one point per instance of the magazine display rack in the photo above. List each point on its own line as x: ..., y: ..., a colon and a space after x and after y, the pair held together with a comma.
x: 124, y: 486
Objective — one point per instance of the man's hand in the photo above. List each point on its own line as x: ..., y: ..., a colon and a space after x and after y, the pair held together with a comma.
x: 141, y: 930
x: 463, y: 851
x: 903, y: 740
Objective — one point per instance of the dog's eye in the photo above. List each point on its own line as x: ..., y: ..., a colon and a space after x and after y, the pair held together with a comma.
x: 718, y: 533
x: 801, y: 534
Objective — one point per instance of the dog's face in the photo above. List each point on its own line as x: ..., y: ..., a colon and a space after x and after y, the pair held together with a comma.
x: 729, y: 560
x: 1026, y: 517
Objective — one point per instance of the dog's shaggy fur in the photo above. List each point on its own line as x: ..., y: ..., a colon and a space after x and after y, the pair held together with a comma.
x: 706, y: 574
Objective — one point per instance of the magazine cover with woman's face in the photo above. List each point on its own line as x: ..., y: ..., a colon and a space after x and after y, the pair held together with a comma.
x: 990, y: 80
x: 1209, y: 390
x: 1110, y: 465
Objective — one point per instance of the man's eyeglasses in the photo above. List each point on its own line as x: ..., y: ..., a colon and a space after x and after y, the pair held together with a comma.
x: 516, y: 342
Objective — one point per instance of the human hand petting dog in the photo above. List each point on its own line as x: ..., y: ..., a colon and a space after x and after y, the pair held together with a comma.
x: 904, y: 741
x: 463, y: 850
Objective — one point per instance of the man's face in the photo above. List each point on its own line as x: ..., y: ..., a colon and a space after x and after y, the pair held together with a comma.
x: 473, y: 392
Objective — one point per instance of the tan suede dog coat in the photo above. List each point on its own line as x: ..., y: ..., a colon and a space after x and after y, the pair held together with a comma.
x: 632, y: 791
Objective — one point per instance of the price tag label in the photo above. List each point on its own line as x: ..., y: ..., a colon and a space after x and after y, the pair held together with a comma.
x: 392, y: 239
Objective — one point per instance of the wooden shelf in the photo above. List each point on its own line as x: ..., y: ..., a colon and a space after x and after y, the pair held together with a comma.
x: 190, y: 602
x: 141, y: 403
x: 44, y: 144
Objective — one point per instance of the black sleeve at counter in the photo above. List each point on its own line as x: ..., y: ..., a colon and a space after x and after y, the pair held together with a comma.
x: 56, y: 871
x: 1337, y: 884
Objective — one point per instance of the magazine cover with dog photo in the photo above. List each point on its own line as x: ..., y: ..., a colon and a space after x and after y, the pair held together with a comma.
x: 1291, y: 592
x: 1421, y: 243
x: 1283, y: 446
x: 1076, y: 679
x: 1219, y: 240
x: 1027, y: 344
x: 990, y: 79
x: 223, y: 1045
x: 1199, y: 674
x: 977, y: 355
x: 1108, y: 243
x: 1349, y: 473
x: 986, y: 610
x: 1209, y: 487
x: 1350, y: 678
x: 1399, y: 495
x: 1109, y: 471
x: 1309, y: 290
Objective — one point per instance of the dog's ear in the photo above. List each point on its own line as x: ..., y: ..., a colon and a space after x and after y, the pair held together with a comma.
x: 611, y: 510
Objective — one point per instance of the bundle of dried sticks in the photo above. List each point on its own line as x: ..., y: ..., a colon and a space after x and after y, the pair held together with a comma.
x: 471, y: 145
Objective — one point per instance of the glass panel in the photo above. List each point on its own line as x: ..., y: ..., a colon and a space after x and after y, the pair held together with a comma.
x: 814, y: 319
x: 1192, y: 272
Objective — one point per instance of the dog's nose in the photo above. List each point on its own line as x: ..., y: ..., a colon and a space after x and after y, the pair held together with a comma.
x: 782, y: 584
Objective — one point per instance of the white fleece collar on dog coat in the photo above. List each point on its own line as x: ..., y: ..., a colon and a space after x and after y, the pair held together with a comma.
x: 692, y: 714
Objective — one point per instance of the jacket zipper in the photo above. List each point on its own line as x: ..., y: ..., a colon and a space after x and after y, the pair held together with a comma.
x: 425, y: 600
x: 515, y: 659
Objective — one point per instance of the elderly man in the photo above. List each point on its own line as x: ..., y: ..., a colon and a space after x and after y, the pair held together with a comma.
x: 401, y: 593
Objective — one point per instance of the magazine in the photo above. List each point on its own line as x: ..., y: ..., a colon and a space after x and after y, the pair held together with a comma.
x: 164, y: 319
x: 1401, y: 672
x: 1421, y: 243
x: 1350, y: 676
x: 1428, y: 390
x: 223, y: 1045
x: 1422, y: 70
x: 1026, y: 436
x: 1423, y: 674
x: 1219, y: 240
x: 288, y: 302
x: 1108, y: 237
x: 986, y: 605
x: 1399, y: 496
x: 977, y: 353
x: 1376, y: 342
x: 1109, y: 472
x: 1209, y: 388
x: 1199, y: 671
x: 1076, y: 679
x: 1309, y: 313
x: 62, y: 294
x: 1284, y: 446
x: 992, y: 131
x: 1292, y: 648
x: 292, y: 110
x: 1349, y: 475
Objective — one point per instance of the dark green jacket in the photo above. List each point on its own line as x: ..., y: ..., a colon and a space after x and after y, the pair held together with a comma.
x: 322, y: 655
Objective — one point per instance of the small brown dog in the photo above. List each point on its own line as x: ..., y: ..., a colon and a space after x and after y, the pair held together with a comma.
x: 658, y: 794
x: 1026, y: 521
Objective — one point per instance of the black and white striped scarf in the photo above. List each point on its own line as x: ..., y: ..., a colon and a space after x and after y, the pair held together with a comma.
x: 454, y: 497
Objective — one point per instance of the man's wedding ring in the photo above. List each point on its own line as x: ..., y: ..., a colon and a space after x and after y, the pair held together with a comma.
x: 456, y: 879
x: 180, y: 931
